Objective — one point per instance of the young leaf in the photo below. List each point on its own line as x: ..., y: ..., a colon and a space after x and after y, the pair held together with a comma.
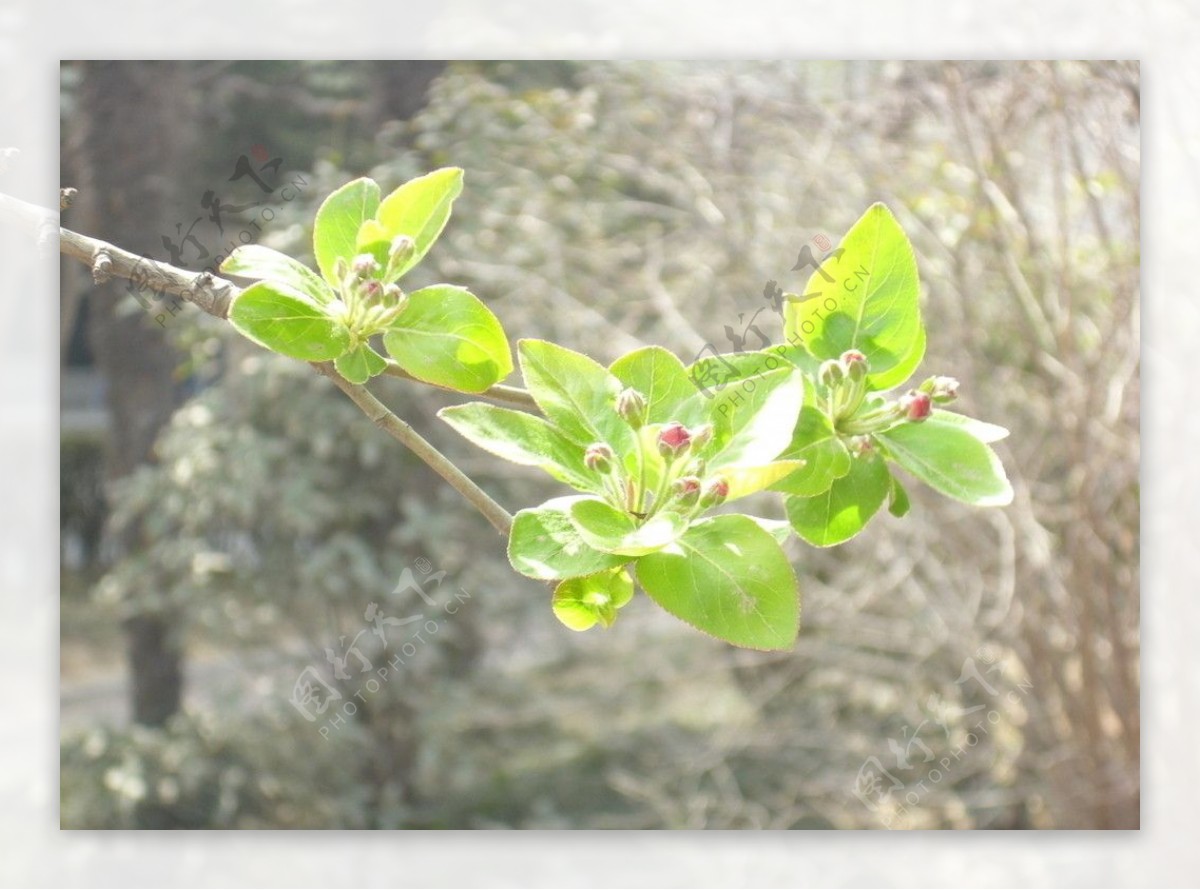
x: 748, y: 480
x: 603, y: 527
x: 523, y: 439
x: 545, y: 545
x: 286, y: 321
x: 984, y: 432
x: 948, y: 457
x: 759, y: 414
x: 837, y: 515
x: 419, y: 209
x: 728, y: 577
x: 898, y: 504
x: 815, y: 442
x: 576, y: 394
x: 446, y: 336
x: 256, y: 261
x: 660, y: 377
x: 866, y: 297
x: 335, y: 231
x: 580, y: 603
x: 360, y: 365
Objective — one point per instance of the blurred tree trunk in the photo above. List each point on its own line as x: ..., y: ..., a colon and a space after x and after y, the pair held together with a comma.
x: 401, y: 88
x: 133, y: 122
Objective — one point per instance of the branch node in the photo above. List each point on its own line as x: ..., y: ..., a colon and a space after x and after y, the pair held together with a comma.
x: 102, y: 266
x: 66, y: 197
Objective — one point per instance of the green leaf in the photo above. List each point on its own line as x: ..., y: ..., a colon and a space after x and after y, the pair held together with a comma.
x: 286, y: 321
x: 871, y: 303
x: 360, y: 365
x: 840, y: 513
x: 779, y: 529
x: 728, y: 577
x: 581, y: 603
x: 659, y: 376
x: 419, y: 209
x: 948, y: 457
x: 984, y: 432
x: 447, y: 337
x: 759, y: 415
x: 523, y: 439
x: 545, y: 545
x: 372, y: 238
x: 898, y: 503
x: 815, y: 442
x: 576, y: 394
x: 335, y: 232
x: 748, y: 480
x: 256, y: 261
x: 603, y: 527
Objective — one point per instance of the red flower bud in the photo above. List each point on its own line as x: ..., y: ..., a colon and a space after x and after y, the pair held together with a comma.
x: 673, y: 440
x: 687, y: 490
x: 916, y: 405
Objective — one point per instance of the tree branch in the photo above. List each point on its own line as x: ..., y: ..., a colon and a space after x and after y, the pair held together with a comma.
x: 214, y: 295
x: 399, y: 430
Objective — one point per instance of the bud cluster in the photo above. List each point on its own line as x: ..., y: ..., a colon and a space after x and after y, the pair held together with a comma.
x: 846, y: 380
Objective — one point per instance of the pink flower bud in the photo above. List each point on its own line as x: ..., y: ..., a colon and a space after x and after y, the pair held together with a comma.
x: 855, y: 364
x: 687, y: 490
x: 673, y: 440
x: 715, y: 492
x: 364, y: 265
x: 916, y: 405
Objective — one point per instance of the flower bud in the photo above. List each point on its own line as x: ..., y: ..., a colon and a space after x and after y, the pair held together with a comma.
x: 916, y: 405
x: 402, y: 249
x: 371, y: 290
x: 392, y: 295
x: 855, y: 364
x: 831, y: 373
x: 701, y: 436
x: 861, y: 445
x: 714, y: 494
x: 673, y: 440
x: 631, y: 405
x: 599, y: 457
x: 687, y: 490
x: 364, y: 265
x: 941, y: 389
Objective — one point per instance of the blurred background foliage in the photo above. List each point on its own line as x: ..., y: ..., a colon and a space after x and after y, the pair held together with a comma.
x: 228, y: 517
